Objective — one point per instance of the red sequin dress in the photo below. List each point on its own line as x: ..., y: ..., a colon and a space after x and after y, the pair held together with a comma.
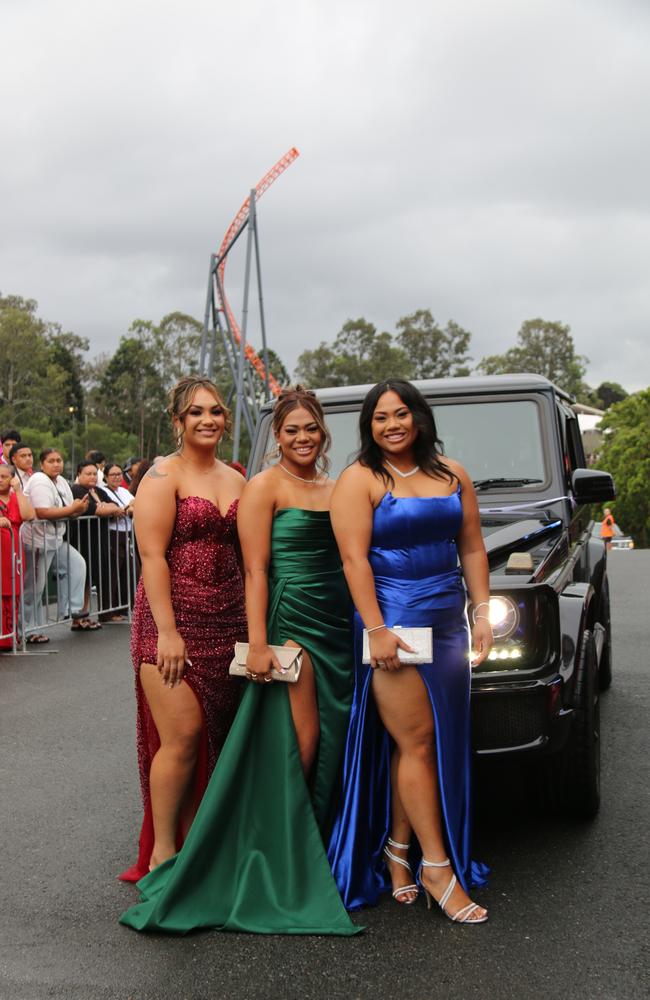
x: 208, y: 601
x: 9, y: 576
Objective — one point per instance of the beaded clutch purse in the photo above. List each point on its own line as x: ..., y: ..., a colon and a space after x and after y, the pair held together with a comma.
x: 419, y: 639
x: 289, y: 657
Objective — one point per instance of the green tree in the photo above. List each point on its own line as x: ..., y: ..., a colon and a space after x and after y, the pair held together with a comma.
x: 66, y: 351
x: 174, y: 345
x: 626, y: 455
x: 94, y: 435
x: 609, y: 393
x: 33, y: 385
x: 434, y: 351
x: 131, y: 396
x: 128, y: 390
x: 359, y: 355
x: 317, y: 368
x: 542, y: 348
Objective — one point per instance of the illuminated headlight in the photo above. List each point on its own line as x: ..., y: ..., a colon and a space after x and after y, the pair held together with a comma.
x: 507, y: 653
x: 504, y: 617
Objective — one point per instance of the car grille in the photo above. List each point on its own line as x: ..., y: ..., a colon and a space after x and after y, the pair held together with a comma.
x: 507, y: 720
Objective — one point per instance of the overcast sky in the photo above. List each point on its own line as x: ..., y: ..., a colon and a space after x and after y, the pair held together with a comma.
x: 487, y: 159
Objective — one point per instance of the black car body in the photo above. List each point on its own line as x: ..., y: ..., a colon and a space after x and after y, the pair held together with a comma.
x: 537, y: 696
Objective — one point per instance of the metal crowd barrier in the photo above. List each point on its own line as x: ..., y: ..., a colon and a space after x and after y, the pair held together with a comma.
x: 73, y: 568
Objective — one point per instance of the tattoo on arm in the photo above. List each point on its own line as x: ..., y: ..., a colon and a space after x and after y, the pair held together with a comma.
x: 153, y: 473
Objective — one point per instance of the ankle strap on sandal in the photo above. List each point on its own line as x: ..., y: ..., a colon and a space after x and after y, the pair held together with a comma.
x: 435, y: 864
x: 394, y: 843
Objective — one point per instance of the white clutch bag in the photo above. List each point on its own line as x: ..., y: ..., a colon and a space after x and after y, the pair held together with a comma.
x: 419, y: 639
x: 289, y: 657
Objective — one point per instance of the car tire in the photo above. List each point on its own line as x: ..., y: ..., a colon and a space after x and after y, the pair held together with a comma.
x: 580, y: 763
x: 604, y: 617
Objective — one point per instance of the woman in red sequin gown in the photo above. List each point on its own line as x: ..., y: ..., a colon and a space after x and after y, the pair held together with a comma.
x: 189, y: 612
x: 14, y: 509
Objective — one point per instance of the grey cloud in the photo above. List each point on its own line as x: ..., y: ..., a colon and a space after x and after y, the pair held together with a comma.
x: 489, y: 161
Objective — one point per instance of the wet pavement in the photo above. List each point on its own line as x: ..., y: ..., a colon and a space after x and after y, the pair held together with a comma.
x: 568, y: 901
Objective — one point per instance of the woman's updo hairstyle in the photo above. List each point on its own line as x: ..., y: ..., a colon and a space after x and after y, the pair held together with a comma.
x: 427, y: 447
x: 294, y: 397
x: 182, y: 395
x: 48, y: 451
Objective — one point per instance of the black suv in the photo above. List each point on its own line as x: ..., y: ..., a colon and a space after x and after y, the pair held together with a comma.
x: 536, y: 697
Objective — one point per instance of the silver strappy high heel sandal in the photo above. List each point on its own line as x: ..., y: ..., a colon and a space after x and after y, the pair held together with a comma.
x: 400, y: 861
x: 462, y: 916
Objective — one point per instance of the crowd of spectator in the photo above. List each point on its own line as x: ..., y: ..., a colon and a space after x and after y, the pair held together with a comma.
x: 78, y: 535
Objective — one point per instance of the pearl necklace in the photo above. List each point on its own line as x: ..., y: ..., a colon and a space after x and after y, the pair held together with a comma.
x: 399, y: 472
x: 306, y: 482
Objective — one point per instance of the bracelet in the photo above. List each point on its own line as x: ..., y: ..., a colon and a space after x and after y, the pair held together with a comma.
x: 481, y: 604
x: 376, y: 628
x: 485, y: 618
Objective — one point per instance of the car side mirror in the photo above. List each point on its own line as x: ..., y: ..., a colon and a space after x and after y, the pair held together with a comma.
x: 592, y: 486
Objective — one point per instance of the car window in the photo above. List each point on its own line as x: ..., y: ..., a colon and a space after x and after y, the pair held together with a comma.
x: 493, y: 439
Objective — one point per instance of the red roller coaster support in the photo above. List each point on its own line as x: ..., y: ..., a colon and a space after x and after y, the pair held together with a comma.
x: 233, y: 231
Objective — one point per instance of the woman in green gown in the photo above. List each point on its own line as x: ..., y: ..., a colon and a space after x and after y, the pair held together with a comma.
x: 254, y: 858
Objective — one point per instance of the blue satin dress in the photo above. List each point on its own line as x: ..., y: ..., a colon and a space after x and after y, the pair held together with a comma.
x: 418, y: 583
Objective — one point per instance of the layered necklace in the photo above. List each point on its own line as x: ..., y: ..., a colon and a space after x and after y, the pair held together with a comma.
x: 404, y: 475
x: 316, y: 481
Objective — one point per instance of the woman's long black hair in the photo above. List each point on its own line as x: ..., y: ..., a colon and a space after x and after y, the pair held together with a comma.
x: 427, y: 447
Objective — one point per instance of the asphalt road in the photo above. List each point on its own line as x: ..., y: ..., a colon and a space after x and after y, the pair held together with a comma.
x: 568, y: 901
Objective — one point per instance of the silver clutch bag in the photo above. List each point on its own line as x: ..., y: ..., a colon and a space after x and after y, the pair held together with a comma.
x: 419, y: 639
x: 289, y: 657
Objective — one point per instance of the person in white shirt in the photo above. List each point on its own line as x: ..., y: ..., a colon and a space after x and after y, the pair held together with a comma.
x: 22, y: 459
x: 120, y: 538
x: 44, y: 540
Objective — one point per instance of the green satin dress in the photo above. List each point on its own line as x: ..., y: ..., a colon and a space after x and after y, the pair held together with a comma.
x: 254, y: 858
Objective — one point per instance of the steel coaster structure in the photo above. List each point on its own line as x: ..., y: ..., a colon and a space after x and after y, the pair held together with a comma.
x: 220, y: 324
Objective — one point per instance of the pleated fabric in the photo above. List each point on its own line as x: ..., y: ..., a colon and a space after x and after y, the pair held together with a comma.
x: 254, y: 858
x: 414, y: 560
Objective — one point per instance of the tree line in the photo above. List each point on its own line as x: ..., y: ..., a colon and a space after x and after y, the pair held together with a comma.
x: 421, y: 347
x: 58, y: 397
x: 117, y: 402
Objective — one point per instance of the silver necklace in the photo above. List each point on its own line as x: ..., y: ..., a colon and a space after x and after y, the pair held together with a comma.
x: 399, y: 472
x: 305, y: 482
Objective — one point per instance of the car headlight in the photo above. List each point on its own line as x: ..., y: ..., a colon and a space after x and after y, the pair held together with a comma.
x: 504, y: 617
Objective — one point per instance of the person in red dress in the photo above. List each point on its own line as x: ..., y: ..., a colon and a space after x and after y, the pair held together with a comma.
x: 189, y: 612
x: 14, y: 509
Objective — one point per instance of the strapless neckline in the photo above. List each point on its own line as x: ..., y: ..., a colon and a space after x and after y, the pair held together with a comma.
x: 300, y: 510
x: 212, y: 504
x: 446, y: 496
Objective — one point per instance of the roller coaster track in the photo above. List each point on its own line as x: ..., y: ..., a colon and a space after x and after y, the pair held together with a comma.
x: 235, y: 228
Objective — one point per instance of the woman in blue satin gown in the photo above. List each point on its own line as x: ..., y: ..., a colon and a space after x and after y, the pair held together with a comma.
x: 403, y: 516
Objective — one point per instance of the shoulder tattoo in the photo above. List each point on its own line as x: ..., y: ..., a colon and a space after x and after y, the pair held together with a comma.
x: 155, y: 473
